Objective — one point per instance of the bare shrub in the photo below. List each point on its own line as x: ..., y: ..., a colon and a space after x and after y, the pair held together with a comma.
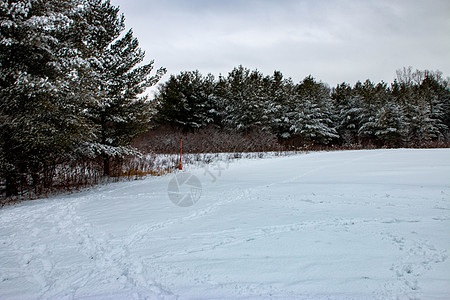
x: 207, y: 140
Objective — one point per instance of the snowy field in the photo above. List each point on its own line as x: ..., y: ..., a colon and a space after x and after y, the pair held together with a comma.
x: 337, y: 225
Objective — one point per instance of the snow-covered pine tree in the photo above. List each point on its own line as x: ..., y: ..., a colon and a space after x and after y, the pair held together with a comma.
x: 373, y: 97
x: 244, y: 100
x: 436, y: 97
x: 40, y: 121
x: 280, y: 93
x: 115, y: 80
x: 312, y: 118
x: 425, y: 99
x: 390, y: 125
x: 348, y: 109
x: 186, y: 100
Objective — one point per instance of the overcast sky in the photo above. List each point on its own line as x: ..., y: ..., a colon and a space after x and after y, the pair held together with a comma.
x: 333, y: 40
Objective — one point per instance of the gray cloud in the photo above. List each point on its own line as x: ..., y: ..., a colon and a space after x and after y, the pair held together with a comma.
x: 333, y: 40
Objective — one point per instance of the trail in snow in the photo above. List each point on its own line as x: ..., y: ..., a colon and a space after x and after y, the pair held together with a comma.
x: 341, y: 225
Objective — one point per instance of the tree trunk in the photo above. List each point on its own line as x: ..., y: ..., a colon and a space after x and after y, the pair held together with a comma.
x: 106, y: 166
x: 12, y: 188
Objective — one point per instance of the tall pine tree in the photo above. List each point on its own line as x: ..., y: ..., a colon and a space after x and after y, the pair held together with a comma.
x: 40, y: 122
x: 115, y: 80
x: 311, y: 119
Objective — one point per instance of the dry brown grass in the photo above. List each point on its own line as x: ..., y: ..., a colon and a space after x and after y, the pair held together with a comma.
x: 140, y: 173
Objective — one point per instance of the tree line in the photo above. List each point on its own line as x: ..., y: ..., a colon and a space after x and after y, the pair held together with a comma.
x: 413, y: 111
x: 70, y: 80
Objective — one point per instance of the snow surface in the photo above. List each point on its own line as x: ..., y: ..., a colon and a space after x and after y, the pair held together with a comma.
x: 329, y: 225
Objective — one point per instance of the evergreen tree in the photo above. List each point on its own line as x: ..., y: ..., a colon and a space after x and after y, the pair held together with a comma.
x: 373, y: 97
x: 390, y: 125
x: 219, y: 100
x: 40, y: 121
x: 186, y: 101
x: 424, y: 97
x: 279, y: 96
x: 69, y: 87
x: 312, y: 118
x: 114, y: 79
x: 245, y: 100
x: 436, y: 99
x: 348, y: 111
